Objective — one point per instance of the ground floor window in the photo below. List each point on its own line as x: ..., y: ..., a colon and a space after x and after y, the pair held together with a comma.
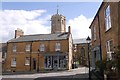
x: 13, y: 62
x: 62, y: 62
x: 48, y: 62
x: 27, y: 61
x: 55, y: 62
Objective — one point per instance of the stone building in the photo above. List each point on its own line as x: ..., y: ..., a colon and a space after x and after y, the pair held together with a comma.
x: 80, y: 52
x: 105, y: 30
x: 41, y: 51
x: 3, y: 51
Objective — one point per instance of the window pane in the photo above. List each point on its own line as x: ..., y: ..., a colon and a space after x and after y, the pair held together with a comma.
x: 107, y: 18
x: 57, y: 47
x: 14, y: 47
x: 28, y: 47
x: 13, y: 62
x: 27, y: 61
x: 111, y: 46
x: 42, y: 47
x: 107, y: 46
x: 48, y: 62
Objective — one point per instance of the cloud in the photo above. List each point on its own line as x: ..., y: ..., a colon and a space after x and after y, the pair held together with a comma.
x: 30, y: 22
x: 37, y: 22
x: 80, y: 27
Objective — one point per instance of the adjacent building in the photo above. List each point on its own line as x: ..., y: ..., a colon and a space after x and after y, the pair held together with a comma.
x: 3, y: 51
x: 105, y: 30
x: 41, y: 51
x: 80, y: 51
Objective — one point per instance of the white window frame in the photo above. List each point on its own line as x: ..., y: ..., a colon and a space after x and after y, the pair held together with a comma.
x: 14, y: 48
x: 27, y: 61
x: 28, y: 47
x: 109, y: 49
x: 42, y: 47
x: 57, y: 46
x: 13, y: 62
x: 107, y: 18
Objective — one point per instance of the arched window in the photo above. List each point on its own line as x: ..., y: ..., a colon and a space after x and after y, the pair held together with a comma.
x: 82, y: 51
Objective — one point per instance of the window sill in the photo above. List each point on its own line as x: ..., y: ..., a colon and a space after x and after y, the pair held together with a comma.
x: 27, y: 64
x: 13, y: 66
x: 108, y: 30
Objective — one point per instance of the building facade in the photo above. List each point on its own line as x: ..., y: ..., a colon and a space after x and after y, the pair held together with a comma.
x: 80, y: 51
x: 41, y: 51
x: 105, y: 30
x: 3, y: 52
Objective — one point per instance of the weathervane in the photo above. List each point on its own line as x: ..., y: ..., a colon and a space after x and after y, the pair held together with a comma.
x: 57, y: 9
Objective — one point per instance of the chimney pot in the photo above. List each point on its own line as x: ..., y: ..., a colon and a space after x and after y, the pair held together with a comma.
x: 18, y: 33
x: 69, y: 29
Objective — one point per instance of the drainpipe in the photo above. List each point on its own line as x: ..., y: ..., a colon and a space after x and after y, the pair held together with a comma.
x: 101, y: 69
x: 31, y: 55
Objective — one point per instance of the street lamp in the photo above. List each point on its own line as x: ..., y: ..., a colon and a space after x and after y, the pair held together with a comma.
x: 31, y: 55
x: 75, y: 51
x: 38, y: 60
x: 88, y: 41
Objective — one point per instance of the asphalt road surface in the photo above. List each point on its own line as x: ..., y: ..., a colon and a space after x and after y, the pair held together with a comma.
x: 80, y: 73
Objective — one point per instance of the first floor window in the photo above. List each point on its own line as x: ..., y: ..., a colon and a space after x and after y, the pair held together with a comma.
x: 107, y: 18
x: 27, y: 61
x: 14, y: 47
x: 57, y: 46
x: 28, y: 47
x: 42, y: 47
x: 13, y: 62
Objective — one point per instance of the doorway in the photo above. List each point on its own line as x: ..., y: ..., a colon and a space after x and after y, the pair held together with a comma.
x: 34, y: 64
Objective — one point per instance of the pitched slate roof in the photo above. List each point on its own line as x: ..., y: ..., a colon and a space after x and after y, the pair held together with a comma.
x: 39, y: 37
x: 79, y: 41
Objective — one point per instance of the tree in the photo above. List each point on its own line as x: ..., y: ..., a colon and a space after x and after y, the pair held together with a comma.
x: 117, y: 61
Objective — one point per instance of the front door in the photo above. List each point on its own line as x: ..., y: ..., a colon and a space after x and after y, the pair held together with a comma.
x: 34, y: 64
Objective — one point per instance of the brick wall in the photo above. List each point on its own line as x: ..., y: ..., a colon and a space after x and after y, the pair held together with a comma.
x: 21, y: 53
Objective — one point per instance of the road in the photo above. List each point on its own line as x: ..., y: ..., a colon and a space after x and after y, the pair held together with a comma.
x: 81, y: 72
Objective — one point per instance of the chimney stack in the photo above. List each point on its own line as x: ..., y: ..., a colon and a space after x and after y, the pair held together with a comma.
x: 69, y: 29
x: 18, y: 33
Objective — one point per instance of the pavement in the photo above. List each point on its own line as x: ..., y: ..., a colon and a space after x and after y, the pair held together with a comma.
x: 80, y: 72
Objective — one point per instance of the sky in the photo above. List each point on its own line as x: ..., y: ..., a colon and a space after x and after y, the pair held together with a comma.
x: 35, y: 17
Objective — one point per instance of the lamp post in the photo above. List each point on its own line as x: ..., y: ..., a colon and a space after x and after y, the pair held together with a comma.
x: 88, y: 41
x: 38, y: 60
x: 31, y: 56
x: 75, y: 50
